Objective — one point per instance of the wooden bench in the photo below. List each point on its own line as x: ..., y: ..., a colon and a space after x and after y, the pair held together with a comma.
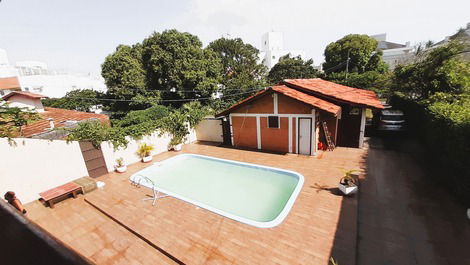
x: 53, y: 195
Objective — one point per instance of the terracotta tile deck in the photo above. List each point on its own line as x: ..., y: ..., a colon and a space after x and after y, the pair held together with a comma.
x: 319, y: 225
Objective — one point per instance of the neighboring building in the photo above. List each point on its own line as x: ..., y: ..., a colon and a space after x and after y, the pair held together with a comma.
x: 462, y: 35
x: 288, y: 117
x: 8, y: 75
x: 393, y: 53
x: 9, y: 84
x: 272, y: 48
x: 57, y: 85
x: 50, y: 117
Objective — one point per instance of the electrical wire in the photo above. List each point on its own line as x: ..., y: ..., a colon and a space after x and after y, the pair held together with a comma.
x: 163, y: 100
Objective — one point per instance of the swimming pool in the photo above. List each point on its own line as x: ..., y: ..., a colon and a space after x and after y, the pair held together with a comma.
x: 252, y: 194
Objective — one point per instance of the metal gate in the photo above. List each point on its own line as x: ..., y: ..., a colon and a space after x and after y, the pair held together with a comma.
x: 94, y: 160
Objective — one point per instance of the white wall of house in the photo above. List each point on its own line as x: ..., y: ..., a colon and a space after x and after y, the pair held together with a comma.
x: 210, y: 130
x: 21, y: 101
x: 35, y: 165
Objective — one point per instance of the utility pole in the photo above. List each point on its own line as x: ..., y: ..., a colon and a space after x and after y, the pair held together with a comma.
x: 347, y: 65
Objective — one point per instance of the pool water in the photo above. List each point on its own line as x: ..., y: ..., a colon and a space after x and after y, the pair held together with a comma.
x: 252, y: 194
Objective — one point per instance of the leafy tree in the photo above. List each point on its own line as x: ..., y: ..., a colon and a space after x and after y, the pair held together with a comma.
x: 13, y: 118
x: 362, y: 51
x: 439, y: 70
x: 79, y: 99
x: 125, y: 77
x: 292, y: 67
x: 240, y: 69
x: 176, y: 63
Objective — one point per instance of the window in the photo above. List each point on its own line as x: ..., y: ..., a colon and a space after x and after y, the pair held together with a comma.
x: 273, y: 122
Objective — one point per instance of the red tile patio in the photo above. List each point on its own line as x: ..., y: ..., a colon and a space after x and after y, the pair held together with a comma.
x: 113, y: 225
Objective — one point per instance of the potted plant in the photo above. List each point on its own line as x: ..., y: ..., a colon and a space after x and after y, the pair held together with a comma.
x: 120, y: 166
x: 176, y: 142
x: 347, y: 183
x: 145, y: 152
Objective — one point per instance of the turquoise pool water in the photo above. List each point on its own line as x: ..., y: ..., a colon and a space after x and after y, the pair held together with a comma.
x: 252, y: 194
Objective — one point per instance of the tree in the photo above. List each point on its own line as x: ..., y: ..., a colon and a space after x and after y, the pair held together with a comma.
x: 240, y: 69
x: 13, y: 118
x: 292, y: 67
x: 361, y: 50
x: 176, y: 64
x: 78, y: 99
x: 125, y: 78
x: 439, y: 70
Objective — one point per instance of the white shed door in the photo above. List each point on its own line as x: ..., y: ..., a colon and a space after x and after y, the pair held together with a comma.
x: 305, y: 136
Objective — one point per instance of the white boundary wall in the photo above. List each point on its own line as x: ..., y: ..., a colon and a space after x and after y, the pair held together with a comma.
x: 210, y: 129
x: 36, y: 165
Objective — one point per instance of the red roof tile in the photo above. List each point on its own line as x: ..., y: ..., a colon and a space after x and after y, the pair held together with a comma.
x: 308, y: 99
x: 292, y: 93
x: 23, y: 93
x: 336, y: 91
x: 9, y: 83
x: 59, y: 116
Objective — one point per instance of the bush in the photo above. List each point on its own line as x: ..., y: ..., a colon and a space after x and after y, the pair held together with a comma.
x: 443, y: 125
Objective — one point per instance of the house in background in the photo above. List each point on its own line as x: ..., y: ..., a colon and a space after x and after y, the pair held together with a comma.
x: 9, y: 84
x: 393, y: 53
x: 289, y: 117
x: 50, y: 117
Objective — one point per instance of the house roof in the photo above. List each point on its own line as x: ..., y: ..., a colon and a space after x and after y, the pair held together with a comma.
x: 292, y: 93
x: 308, y: 99
x: 59, y: 116
x: 9, y: 83
x: 23, y: 93
x: 336, y: 91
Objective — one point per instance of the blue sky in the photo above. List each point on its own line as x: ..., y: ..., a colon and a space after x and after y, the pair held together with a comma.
x: 77, y: 35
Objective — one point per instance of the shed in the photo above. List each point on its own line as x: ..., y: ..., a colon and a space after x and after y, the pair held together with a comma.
x: 289, y: 117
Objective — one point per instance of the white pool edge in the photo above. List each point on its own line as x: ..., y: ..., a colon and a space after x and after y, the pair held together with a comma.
x: 278, y: 220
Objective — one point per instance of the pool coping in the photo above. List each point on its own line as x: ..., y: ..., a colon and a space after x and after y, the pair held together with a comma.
x: 275, y: 222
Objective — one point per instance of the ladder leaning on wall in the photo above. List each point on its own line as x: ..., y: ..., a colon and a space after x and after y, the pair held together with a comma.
x: 330, y: 143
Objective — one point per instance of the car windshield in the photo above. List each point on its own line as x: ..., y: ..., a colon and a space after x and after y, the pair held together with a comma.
x: 392, y: 118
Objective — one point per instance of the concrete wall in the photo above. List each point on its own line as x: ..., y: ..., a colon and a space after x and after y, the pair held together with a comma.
x: 36, y: 165
x: 210, y: 130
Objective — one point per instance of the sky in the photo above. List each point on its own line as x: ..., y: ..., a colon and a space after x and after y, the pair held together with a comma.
x: 76, y: 36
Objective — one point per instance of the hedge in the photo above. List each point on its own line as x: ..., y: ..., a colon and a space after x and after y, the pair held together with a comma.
x: 444, y: 130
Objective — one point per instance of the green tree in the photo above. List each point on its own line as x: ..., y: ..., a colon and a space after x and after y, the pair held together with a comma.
x: 13, y: 118
x: 78, y: 99
x: 291, y: 67
x: 361, y: 50
x: 439, y: 70
x: 125, y: 78
x: 176, y: 64
x: 240, y: 69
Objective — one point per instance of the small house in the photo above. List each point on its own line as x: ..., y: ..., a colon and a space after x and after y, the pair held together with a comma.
x: 299, y: 116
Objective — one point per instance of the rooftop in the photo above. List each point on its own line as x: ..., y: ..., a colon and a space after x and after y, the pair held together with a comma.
x: 339, y: 92
x: 9, y: 83
x: 114, y: 225
x: 23, y: 93
x: 59, y: 116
